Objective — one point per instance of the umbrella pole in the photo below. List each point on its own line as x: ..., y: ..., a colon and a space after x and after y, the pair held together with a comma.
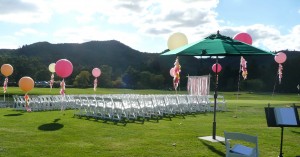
x: 215, y: 102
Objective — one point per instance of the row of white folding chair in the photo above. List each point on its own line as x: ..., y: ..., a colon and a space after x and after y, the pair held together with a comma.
x: 19, y: 103
x: 42, y: 102
x: 118, y: 107
x: 151, y: 105
x: 106, y: 107
x: 185, y: 104
x: 82, y: 105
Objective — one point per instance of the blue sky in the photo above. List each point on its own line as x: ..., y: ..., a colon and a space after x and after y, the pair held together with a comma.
x: 146, y: 25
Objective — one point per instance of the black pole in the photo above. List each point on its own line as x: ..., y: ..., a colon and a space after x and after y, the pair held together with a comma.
x: 215, y: 102
x: 281, y: 143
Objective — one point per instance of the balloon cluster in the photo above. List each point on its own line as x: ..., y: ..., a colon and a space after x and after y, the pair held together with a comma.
x: 243, y: 67
x: 177, y: 70
x: 175, y: 73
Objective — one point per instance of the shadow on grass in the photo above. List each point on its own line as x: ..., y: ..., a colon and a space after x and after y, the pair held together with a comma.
x: 56, y: 120
x: 213, y: 149
x: 15, y: 114
x: 51, y: 126
x: 296, y: 132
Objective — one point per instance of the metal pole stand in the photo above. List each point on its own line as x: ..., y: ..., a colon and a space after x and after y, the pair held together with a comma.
x: 281, y: 143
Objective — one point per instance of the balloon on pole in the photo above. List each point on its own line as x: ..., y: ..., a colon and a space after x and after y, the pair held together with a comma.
x: 172, y: 72
x: 96, y: 73
x: 216, y: 68
x: 52, y: 67
x: 26, y: 84
x: 52, y: 70
x: 6, y: 70
x: 280, y: 58
x: 177, y: 40
x: 243, y: 37
x: 63, y: 68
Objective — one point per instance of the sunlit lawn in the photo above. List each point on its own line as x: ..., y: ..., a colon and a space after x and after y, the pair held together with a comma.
x: 56, y: 133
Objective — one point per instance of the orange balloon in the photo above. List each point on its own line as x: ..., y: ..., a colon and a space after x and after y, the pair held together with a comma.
x: 26, y: 83
x: 7, y: 69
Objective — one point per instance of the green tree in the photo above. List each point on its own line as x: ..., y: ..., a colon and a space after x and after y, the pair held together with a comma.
x: 42, y: 75
x: 253, y: 85
x: 118, y: 83
x: 157, y: 81
x: 82, y: 80
x: 144, y: 81
x: 131, y: 77
x: 106, y: 74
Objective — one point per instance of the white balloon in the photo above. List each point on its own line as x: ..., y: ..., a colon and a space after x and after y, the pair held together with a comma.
x: 52, y: 67
x: 177, y: 40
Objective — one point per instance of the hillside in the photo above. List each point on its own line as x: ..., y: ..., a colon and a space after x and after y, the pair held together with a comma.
x: 91, y: 54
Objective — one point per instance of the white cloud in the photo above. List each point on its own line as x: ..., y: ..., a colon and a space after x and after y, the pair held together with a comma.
x: 88, y: 33
x: 132, y: 22
x: 25, y: 12
x: 8, y: 42
x: 28, y: 31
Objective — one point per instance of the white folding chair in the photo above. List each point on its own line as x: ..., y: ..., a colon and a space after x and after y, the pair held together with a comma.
x: 107, y: 112
x: 134, y: 110
x: 149, y: 107
x: 119, y: 114
x: 19, y: 103
x: 173, y: 108
x: 221, y: 103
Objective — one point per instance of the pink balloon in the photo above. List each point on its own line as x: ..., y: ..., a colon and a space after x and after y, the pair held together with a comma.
x: 214, y: 68
x: 96, y: 72
x: 280, y: 57
x: 63, y: 68
x: 172, y: 72
x: 243, y: 37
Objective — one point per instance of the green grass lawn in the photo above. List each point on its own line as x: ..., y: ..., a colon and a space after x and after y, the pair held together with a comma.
x: 56, y: 133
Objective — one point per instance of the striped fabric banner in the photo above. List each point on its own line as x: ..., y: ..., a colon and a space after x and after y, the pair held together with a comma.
x: 198, y: 85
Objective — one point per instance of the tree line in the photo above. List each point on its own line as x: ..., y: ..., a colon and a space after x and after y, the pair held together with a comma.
x: 124, y: 67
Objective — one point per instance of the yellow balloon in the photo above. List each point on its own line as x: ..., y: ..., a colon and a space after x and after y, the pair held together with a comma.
x: 52, y: 67
x: 7, y: 69
x: 177, y: 40
x: 26, y: 83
